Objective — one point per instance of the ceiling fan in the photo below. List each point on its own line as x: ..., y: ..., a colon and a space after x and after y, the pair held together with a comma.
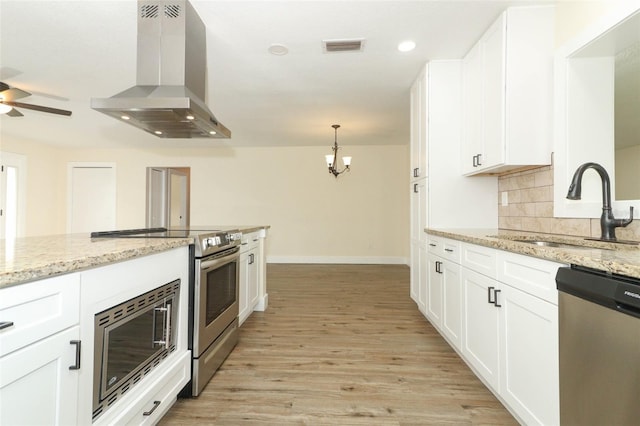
x: 9, y: 94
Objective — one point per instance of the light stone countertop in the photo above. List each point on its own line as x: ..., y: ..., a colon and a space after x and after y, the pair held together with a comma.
x: 33, y: 258
x: 623, y: 259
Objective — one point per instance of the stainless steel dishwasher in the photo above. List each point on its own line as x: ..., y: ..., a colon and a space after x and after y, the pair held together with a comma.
x: 599, y: 340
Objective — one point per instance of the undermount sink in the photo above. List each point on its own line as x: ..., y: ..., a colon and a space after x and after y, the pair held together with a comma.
x: 553, y: 244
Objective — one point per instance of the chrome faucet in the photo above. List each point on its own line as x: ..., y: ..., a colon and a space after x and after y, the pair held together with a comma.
x: 608, y: 223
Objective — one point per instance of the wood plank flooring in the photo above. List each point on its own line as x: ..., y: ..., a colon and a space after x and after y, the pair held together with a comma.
x: 341, y: 345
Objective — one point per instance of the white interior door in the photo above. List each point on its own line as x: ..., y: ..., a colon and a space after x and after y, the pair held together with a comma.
x: 92, y: 197
x: 13, y: 172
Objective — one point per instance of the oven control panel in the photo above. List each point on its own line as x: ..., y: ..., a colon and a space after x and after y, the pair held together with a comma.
x: 213, y: 242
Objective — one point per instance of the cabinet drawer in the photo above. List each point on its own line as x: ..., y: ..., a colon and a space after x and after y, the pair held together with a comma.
x: 38, y: 310
x: 160, y: 393
x: 479, y: 258
x: 444, y: 247
x: 434, y: 245
x: 249, y: 241
x: 529, y: 274
x: 451, y: 250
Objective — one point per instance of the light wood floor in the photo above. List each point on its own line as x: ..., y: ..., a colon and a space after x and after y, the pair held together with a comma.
x: 340, y: 345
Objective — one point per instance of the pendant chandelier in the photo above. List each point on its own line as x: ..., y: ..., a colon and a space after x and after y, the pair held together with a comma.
x: 332, y: 159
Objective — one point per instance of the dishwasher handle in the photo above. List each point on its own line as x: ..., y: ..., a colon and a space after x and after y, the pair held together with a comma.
x: 629, y: 310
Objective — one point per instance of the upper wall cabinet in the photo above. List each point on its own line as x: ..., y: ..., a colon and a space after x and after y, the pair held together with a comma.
x: 508, y: 93
x: 419, y: 126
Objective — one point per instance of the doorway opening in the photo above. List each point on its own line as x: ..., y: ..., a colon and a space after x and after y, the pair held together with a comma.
x: 168, y: 197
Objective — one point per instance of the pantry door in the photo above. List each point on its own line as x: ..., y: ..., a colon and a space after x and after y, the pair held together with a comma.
x: 92, y: 197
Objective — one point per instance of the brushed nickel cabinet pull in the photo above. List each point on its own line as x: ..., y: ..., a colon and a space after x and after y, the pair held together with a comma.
x: 78, y: 344
x: 6, y: 324
x: 156, y: 404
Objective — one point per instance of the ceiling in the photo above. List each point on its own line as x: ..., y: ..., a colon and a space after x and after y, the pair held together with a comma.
x: 67, y: 52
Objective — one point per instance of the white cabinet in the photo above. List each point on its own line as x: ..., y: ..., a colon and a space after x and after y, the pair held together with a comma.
x: 444, y: 303
x: 480, y: 345
x: 419, y: 210
x: 443, y: 198
x: 510, y: 329
x: 252, y: 275
x: 529, y: 381
x: 418, y: 143
x: 38, y: 352
x: 507, y: 93
x: 418, y: 278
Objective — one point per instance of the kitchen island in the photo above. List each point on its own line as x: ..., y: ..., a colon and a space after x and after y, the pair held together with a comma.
x: 54, y: 289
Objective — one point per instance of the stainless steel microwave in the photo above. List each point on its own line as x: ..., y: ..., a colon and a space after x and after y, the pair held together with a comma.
x: 131, y: 339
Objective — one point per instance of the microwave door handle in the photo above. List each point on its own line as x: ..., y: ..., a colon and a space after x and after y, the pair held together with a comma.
x: 167, y: 319
x: 154, y: 342
x: 167, y: 334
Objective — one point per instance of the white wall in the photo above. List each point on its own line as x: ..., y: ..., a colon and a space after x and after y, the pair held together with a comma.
x: 46, y: 185
x: 360, y: 217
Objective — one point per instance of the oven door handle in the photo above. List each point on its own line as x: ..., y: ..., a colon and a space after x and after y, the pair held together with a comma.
x: 216, y: 263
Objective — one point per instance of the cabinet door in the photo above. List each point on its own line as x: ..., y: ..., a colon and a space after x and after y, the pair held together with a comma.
x: 493, y: 94
x: 248, y: 289
x: 243, y: 288
x: 36, y: 385
x: 480, y: 345
x: 419, y: 275
x: 529, y: 352
x: 252, y: 279
x: 419, y: 105
x: 452, y: 303
x: 415, y: 272
x: 435, y: 277
x: 472, y: 109
x: 419, y: 210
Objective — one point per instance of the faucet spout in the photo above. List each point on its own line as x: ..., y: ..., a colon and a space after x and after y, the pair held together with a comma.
x: 608, y: 223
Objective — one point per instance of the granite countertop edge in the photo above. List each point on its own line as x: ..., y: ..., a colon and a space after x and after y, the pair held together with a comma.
x: 609, y: 257
x: 35, y: 258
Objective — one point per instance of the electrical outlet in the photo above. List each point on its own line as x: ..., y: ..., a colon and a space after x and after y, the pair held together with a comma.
x: 505, y: 198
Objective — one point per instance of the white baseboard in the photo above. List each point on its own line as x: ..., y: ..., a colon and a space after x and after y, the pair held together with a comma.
x: 381, y: 260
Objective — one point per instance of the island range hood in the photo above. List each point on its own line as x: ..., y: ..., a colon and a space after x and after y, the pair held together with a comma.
x: 168, y: 99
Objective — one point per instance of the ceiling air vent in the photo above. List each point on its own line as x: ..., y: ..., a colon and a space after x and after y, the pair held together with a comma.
x: 352, y: 45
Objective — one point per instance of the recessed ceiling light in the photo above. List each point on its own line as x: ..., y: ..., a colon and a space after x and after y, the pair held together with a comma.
x: 125, y: 117
x: 278, y: 49
x: 213, y: 132
x: 190, y: 117
x: 158, y: 132
x: 407, y: 46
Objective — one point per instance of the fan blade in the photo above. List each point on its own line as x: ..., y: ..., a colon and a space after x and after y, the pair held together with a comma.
x: 39, y: 108
x: 15, y: 113
x: 13, y: 93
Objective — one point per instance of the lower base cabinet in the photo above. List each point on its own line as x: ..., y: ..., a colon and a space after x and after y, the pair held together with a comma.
x: 480, y: 345
x: 502, y: 309
x: 248, y: 289
x: 36, y: 385
x: 529, y: 351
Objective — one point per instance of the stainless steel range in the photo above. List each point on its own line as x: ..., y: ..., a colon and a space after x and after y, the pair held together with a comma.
x: 213, y: 294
